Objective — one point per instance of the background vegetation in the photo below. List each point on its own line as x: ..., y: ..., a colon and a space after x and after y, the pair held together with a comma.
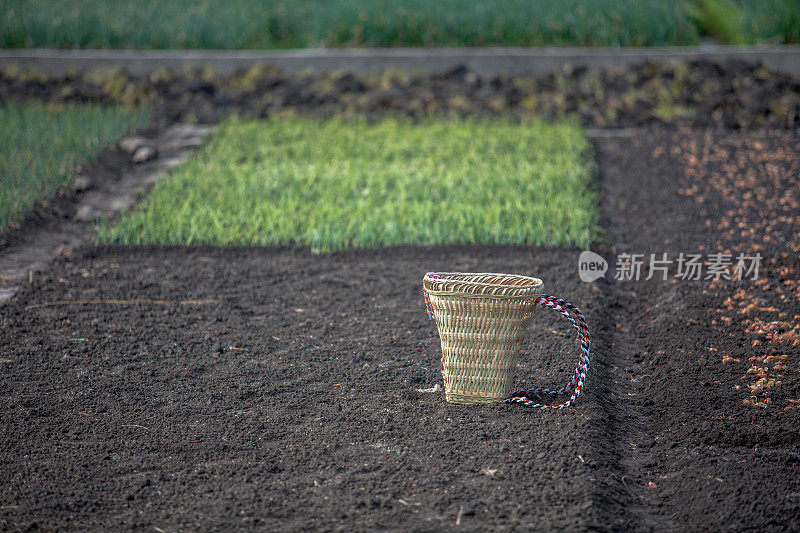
x: 311, y: 23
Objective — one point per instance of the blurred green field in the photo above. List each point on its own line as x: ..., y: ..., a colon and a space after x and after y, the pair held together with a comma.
x: 311, y: 23
x: 748, y: 21
x: 40, y: 145
x: 335, y: 184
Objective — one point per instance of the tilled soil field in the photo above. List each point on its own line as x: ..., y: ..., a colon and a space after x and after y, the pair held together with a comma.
x: 276, y: 388
x: 697, y: 93
x: 177, y: 388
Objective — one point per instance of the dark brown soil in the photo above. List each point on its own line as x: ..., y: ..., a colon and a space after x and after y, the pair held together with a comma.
x: 289, y: 401
x: 732, y: 95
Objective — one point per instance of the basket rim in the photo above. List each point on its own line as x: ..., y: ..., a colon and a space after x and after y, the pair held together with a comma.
x: 480, y: 289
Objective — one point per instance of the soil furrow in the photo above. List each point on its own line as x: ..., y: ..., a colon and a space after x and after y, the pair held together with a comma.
x: 626, y: 433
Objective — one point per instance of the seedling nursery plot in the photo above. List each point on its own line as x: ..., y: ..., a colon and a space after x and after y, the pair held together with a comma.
x: 248, y: 347
x: 337, y: 184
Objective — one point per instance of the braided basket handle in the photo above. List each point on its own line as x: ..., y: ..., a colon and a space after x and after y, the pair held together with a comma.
x: 578, y: 378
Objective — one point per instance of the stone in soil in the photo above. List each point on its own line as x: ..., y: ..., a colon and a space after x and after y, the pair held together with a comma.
x: 143, y: 154
x: 82, y: 183
x: 88, y: 213
x: 130, y: 144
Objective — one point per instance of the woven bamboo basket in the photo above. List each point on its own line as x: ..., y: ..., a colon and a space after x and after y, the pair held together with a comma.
x: 482, y: 319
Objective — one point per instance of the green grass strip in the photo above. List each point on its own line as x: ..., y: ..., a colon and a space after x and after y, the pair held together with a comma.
x: 311, y: 23
x: 40, y: 145
x: 335, y: 184
x: 262, y: 24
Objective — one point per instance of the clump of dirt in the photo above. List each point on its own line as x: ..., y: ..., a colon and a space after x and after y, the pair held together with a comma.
x: 732, y: 95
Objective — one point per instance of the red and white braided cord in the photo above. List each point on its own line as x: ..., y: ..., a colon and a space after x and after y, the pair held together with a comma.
x: 575, y: 385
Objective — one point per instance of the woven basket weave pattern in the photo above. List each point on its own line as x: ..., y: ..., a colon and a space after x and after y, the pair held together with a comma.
x: 482, y: 319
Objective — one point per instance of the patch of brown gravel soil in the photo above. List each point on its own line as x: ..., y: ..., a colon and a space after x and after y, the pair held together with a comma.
x: 749, y: 188
x: 718, y: 397
x: 733, y: 94
x: 270, y: 388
